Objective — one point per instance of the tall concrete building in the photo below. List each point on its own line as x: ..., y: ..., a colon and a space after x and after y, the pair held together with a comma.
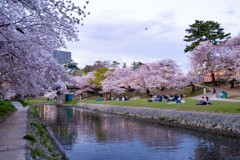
x: 62, y: 57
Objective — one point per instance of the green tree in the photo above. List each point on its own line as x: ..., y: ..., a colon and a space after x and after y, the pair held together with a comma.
x: 98, y: 64
x: 99, y: 77
x: 87, y: 69
x: 136, y: 65
x: 204, y: 31
x: 124, y: 65
x: 115, y: 64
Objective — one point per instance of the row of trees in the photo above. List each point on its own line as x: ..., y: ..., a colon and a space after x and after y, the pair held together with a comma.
x: 148, y: 78
x: 212, y: 50
x: 29, y: 32
x: 108, y: 64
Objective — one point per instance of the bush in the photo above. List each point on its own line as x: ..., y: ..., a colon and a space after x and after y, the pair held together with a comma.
x: 30, y: 137
x: 6, y: 107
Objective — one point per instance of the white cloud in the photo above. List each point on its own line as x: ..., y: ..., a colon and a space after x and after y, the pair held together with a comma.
x: 146, y: 30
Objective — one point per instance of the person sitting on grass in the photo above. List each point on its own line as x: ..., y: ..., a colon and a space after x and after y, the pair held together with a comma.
x: 171, y: 98
x: 208, y: 100
x: 160, y: 98
x: 150, y: 98
x: 202, y: 102
x: 165, y: 98
x: 179, y: 100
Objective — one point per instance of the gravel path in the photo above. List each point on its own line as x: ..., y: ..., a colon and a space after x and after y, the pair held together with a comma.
x: 12, y: 130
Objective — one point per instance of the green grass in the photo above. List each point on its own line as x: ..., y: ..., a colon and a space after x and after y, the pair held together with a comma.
x: 39, y: 101
x: 24, y: 103
x: 37, y: 152
x: 190, y: 105
x: 30, y: 137
x: 73, y: 102
x: 6, y: 107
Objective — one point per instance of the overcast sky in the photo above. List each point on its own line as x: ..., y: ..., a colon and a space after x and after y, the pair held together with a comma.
x: 146, y: 30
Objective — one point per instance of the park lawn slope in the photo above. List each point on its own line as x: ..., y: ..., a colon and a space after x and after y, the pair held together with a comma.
x: 190, y: 105
x: 34, y: 101
x: 6, y: 108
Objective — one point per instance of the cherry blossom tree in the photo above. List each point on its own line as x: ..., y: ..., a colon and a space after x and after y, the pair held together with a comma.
x: 150, y: 77
x: 223, y: 57
x: 29, y: 32
x: 34, y: 79
x: 84, y: 83
x: 119, y: 80
x: 205, y: 58
x: 190, y: 79
x: 229, y: 59
x: 158, y: 75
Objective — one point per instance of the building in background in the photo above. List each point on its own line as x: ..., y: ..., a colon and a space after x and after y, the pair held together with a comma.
x: 70, y: 66
x: 65, y: 58
x: 62, y: 57
x: 217, y: 75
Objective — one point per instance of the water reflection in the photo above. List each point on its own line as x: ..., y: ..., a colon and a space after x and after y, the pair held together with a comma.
x: 92, y: 135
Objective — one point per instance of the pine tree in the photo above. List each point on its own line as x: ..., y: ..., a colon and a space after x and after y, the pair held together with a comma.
x: 204, y: 31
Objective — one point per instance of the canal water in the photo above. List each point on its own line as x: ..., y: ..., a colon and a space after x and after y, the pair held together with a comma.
x: 90, y: 135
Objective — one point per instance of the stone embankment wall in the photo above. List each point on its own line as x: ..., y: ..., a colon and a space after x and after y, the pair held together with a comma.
x: 42, y: 145
x: 223, y: 124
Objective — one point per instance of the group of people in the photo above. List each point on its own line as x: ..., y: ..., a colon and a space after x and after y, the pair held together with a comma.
x: 204, y: 101
x: 120, y: 98
x: 165, y: 98
x: 125, y: 98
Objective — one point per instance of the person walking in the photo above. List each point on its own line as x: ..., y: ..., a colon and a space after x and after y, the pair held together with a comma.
x: 214, y: 91
x: 204, y: 90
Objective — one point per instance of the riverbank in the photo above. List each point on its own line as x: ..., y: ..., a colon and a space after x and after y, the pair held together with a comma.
x: 41, y: 143
x: 221, y: 124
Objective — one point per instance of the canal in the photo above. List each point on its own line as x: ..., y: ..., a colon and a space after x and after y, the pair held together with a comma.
x: 90, y: 135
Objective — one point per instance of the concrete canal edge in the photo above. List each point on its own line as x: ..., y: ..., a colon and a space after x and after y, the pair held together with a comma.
x: 221, y: 124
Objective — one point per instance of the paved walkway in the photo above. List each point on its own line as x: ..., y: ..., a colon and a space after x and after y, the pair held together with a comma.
x: 214, y: 97
x: 12, y: 130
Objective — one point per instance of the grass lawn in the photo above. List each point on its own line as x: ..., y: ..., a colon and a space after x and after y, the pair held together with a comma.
x: 38, y: 101
x: 190, y: 105
x: 73, y: 102
x: 6, y: 107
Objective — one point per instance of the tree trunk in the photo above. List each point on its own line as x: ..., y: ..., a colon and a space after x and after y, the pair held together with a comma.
x: 162, y: 88
x: 213, y: 79
x: 193, y: 86
x: 21, y: 98
x: 110, y: 94
x: 232, y: 84
x: 148, y: 92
